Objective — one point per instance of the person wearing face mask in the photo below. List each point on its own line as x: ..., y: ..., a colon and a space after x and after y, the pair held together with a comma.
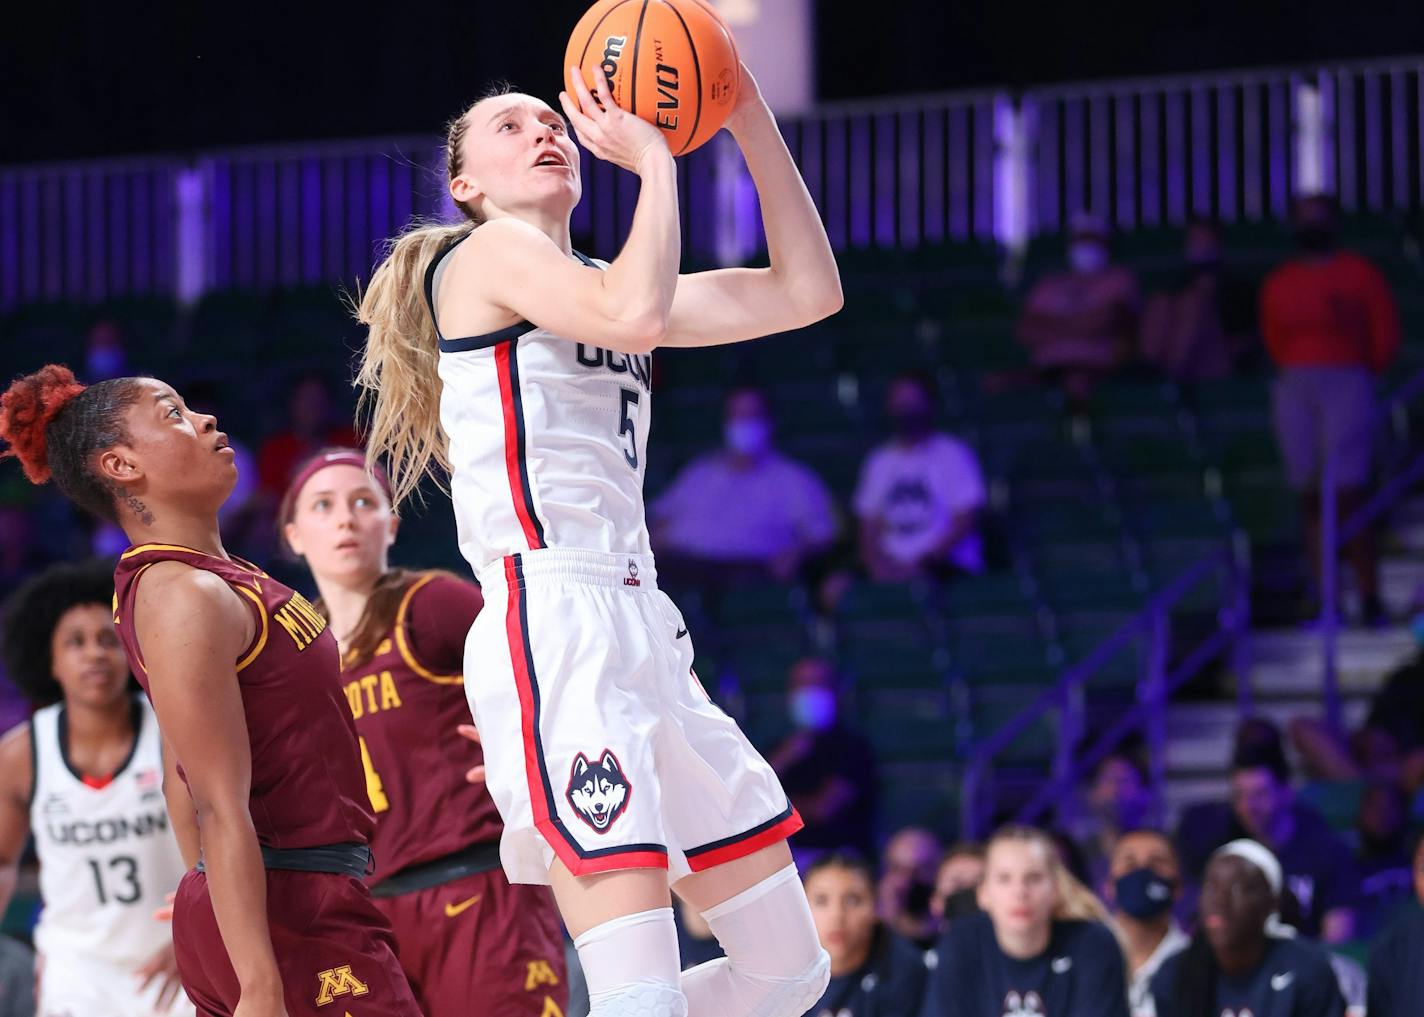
x: 874, y: 973
x: 744, y: 509
x: 1243, y: 958
x: 827, y: 768
x: 920, y: 495
x: 1197, y: 329
x: 1144, y: 883
x: 1118, y: 798
x: 1080, y: 325
x: 1331, y: 326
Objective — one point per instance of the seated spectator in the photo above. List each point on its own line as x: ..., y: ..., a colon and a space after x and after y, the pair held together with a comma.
x: 1080, y: 326
x: 827, y: 768
x: 313, y: 423
x: 1145, y: 879
x: 696, y: 943
x: 1390, y: 743
x: 919, y: 495
x: 1320, y: 869
x: 1199, y: 328
x: 1396, y: 976
x: 1242, y: 959
x: 874, y: 973
x: 907, y: 880
x: 1386, y: 879
x: 1331, y: 326
x: 746, y: 507
x: 957, y: 883
x: 1118, y: 799
x: 1039, y: 946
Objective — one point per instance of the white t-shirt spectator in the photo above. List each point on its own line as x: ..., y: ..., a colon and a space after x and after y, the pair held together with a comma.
x: 917, y: 490
x: 715, y: 511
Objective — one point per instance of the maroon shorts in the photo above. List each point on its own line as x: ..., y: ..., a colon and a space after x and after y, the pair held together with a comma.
x: 334, y: 950
x: 479, y: 945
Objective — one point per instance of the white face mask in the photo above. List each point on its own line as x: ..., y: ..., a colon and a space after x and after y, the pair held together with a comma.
x: 1087, y: 256
x: 748, y: 436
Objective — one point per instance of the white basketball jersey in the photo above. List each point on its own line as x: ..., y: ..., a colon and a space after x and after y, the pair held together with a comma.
x: 107, y: 855
x: 548, y: 440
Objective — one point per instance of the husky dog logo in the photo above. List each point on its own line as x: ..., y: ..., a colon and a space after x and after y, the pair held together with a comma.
x: 598, y: 791
x: 1027, y: 1005
x: 632, y: 579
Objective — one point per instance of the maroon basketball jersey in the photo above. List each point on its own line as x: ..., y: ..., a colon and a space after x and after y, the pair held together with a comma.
x: 407, y: 700
x: 307, y: 787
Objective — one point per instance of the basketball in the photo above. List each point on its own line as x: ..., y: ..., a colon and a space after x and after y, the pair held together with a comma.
x: 671, y: 62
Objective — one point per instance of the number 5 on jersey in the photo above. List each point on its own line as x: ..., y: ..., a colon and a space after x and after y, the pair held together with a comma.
x: 625, y: 425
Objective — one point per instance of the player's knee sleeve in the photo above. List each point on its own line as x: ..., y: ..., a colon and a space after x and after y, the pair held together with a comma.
x: 631, y: 966
x: 774, y: 967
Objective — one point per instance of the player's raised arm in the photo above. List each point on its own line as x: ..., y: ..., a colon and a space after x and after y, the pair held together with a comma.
x: 512, y: 264
x: 802, y: 284
x: 192, y: 628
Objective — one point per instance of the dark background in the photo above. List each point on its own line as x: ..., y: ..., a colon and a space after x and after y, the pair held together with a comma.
x: 89, y: 79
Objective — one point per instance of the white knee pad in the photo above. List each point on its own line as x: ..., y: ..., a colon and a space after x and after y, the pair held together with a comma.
x: 631, y: 966
x: 774, y: 967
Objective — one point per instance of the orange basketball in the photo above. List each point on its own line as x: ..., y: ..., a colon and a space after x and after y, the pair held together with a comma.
x: 671, y: 62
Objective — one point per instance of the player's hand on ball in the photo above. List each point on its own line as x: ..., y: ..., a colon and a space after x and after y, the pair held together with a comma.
x: 749, y: 101
x: 611, y: 133
x: 475, y: 774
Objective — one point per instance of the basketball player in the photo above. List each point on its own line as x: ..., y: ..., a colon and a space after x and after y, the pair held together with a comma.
x: 614, y: 773
x: 85, y: 776
x: 245, y: 682
x: 466, y: 937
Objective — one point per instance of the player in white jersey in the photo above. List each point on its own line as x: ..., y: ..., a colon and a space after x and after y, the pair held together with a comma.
x: 85, y: 777
x: 614, y: 773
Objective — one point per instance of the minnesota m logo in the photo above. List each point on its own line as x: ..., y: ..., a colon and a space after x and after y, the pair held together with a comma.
x: 338, y: 982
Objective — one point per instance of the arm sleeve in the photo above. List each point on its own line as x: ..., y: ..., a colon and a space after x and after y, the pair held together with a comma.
x: 1384, y: 319
x: 962, y: 465
x: 948, y: 993
x: 1101, y: 989
x: 670, y: 502
x: 1379, y: 995
x: 867, y: 488
x: 1320, y: 995
x: 906, y: 992
x: 438, y: 612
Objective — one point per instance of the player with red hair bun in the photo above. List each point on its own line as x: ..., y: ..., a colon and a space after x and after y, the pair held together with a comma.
x: 273, y: 919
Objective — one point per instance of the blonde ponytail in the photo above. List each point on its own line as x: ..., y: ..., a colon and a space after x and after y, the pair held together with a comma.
x: 398, y: 377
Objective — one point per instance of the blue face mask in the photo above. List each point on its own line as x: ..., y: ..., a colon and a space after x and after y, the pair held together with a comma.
x: 813, y: 708
x: 1143, y: 894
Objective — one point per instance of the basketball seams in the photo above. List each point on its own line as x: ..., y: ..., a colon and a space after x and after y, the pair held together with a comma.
x: 697, y: 73
x: 633, y: 71
x: 593, y: 34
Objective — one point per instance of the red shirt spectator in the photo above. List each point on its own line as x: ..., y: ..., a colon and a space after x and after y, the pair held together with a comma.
x: 1332, y: 310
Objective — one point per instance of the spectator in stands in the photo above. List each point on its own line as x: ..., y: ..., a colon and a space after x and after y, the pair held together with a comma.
x: 1396, y: 976
x: 1382, y: 827
x: 1320, y: 869
x: 909, y: 866
x: 745, y: 508
x: 20, y: 555
x: 1039, y: 947
x: 1242, y: 959
x: 1145, y: 880
x: 696, y: 942
x: 104, y: 355
x: 1390, y: 743
x: 874, y: 973
x: 1118, y: 799
x: 957, y: 882
x: 826, y: 767
x: 1199, y: 329
x: 920, y: 494
x: 1080, y: 326
x: 314, y: 422
x: 1331, y: 326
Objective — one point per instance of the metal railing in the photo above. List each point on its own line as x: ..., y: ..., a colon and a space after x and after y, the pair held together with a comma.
x: 1334, y: 534
x: 886, y: 173
x: 1159, y: 679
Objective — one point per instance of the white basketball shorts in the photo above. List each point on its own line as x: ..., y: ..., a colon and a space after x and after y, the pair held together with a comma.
x: 601, y: 747
x: 81, y: 987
